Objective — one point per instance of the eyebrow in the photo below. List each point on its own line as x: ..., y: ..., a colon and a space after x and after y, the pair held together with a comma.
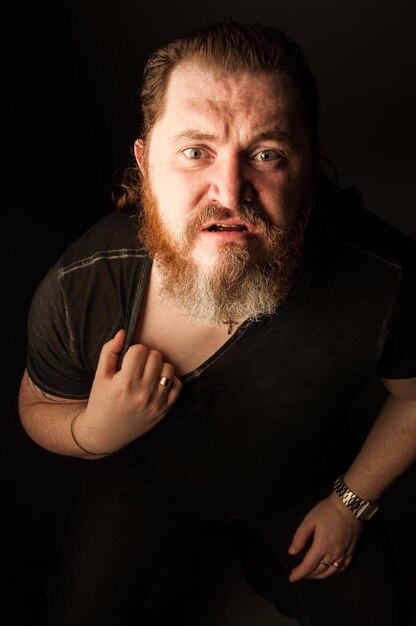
x: 266, y: 135
x: 194, y: 135
x: 275, y: 133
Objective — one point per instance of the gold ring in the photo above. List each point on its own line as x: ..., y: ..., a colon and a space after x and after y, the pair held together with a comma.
x: 166, y: 382
x: 323, y: 563
x: 336, y: 564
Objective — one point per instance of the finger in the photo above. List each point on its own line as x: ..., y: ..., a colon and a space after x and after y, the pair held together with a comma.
x: 135, y: 361
x: 320, y: 568
x: 330, y: 567
x: 301, y: 536
x: 165, y: 383
x: 108, y: 360
x: 175, y: 391
x: 341, y: 564
x: 308, y: 566
x: 155, y: 371
x: 170, y: 386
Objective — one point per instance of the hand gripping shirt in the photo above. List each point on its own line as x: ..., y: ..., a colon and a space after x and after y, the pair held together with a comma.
x: 266, y: 415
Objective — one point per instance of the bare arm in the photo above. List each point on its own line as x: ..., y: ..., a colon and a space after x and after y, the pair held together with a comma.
x: 123, y: 404
x: 47, y: 419
x: 389, y: 449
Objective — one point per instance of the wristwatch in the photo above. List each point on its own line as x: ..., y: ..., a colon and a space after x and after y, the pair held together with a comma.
x: 361, y: 509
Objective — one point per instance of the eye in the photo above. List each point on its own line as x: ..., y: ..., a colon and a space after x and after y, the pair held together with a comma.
x: 268, y: 155
x: 194, y: 153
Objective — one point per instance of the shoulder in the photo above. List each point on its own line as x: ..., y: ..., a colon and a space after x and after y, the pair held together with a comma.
x: 348, y: 223
x: 111, y: 239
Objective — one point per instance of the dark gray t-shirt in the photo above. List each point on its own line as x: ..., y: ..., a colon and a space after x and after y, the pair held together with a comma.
x: 265, y: 416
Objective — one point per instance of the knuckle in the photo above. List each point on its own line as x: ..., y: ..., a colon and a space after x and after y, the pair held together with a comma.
x: 155, y: 354
x: 138, y: 348
x: 124, y: 387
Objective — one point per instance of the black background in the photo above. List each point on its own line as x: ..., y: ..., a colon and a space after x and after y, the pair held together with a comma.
x: 71, y: 73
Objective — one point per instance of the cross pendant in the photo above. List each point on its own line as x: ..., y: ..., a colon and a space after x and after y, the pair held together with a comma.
x: 230, y: 324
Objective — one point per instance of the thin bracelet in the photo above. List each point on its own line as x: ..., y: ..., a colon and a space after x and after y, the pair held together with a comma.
x: 76, y: 440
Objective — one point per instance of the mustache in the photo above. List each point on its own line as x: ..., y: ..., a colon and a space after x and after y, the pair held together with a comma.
x: 246, y: 212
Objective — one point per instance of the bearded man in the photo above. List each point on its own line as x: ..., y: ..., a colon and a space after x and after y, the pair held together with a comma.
x: 204, y: 342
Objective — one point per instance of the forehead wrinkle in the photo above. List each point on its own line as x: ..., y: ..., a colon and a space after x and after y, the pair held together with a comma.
x: 208, y: 113
x: 194, y: 135
x: 217, y: 111
x: 273, y: 134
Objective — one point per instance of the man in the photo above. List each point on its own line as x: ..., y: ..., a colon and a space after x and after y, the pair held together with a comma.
x: 205, y: 348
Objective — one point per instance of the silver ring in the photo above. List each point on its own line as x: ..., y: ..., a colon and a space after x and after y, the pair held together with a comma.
x: 323, y: 563
x: 166, y: 382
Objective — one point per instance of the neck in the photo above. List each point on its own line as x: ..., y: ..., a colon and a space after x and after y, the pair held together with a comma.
x: 230, y: 323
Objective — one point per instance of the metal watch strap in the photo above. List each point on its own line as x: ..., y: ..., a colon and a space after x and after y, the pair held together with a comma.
x: 361, y: 509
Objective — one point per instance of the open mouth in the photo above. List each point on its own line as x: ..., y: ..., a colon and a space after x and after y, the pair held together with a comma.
x: 218, y: 228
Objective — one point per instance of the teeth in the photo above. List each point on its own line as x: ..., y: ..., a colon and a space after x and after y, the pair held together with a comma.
x: 219, y: 227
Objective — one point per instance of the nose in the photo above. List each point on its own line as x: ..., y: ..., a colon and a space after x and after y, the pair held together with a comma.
x: 230, y: 185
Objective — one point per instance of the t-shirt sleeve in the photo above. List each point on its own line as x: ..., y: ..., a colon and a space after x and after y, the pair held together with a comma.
x: 53, y: 363
x: 398, y: 358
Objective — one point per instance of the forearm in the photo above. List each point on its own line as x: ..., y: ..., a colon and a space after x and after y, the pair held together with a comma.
x: 48, y: 421
x: 123, y: 404
x: 389, y: 449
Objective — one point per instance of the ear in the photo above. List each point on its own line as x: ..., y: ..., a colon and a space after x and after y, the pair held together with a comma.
x: 139, y: 153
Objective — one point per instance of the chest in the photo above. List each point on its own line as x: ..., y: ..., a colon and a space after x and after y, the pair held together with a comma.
x: 185, y: 342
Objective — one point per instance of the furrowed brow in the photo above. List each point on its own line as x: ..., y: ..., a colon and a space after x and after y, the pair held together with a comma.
x: 274, y: 134
x: 193, y: 135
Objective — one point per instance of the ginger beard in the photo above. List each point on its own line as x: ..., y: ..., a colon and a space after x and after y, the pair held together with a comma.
x: 249, y: 279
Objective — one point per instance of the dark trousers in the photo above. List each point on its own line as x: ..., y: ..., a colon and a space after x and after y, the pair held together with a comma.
x: 131, y: 558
